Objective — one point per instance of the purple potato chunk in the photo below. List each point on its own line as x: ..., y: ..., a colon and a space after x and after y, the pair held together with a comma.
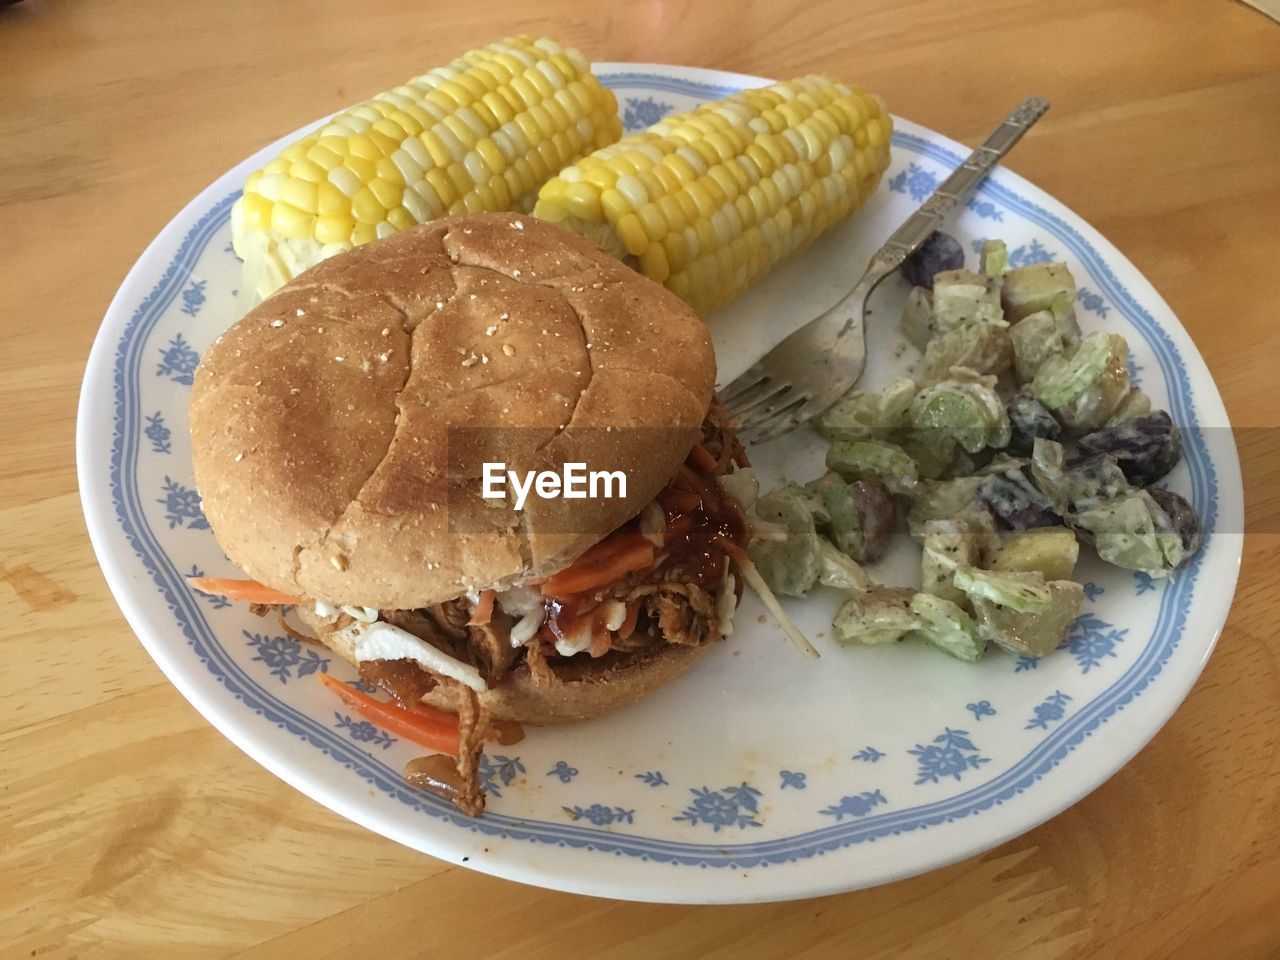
x: 940, y: 251
x: 1146, y: 448
x: 879, y: 518
x: 1015, y: 501
x: 1182, y: 520
x: 1095, y: 478
x: 861, y: 516
x: 1030, y: 419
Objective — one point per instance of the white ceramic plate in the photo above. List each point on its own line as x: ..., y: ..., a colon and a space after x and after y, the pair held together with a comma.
x: 760, y: 775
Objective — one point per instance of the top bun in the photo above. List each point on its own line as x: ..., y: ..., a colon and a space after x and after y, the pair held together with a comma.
x: 339, y: 430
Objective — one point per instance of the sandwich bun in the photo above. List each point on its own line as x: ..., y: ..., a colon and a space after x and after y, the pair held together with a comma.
x: 322, y: 421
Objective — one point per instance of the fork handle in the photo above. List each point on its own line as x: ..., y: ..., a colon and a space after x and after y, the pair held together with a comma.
x: 956, y: 189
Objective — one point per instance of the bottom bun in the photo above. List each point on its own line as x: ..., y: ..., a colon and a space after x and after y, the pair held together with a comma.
x: 580, y: 691
x: 582, y: 687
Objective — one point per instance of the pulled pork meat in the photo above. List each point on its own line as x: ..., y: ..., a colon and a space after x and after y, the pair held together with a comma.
x: 683, y: 612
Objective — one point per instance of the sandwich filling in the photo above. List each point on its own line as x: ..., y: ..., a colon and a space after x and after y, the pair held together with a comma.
x: 666, y: 577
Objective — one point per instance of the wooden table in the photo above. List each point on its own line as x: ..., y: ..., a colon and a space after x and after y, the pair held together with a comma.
x: 130, y: 828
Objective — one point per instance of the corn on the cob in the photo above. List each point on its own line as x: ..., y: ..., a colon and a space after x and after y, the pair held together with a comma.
x: 707, y: 201
x: 481, y: 134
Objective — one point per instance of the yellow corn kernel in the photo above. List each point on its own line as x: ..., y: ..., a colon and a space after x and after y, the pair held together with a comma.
x: 676, y: 249
x: 301, y: 194
x: 525, y: 174
x: 363, y: 169
x: 515, y: 187
x: 406, y: 121
x: 706, y: 234
x: 671, y: 212
x: 689, y: 213
x: 366, y: 208
x: 615, y: 204
x: 386, y: 169
x: 387, y: 193
x: 363, y: 147
x: 654, y: 223
x: 291, y: 222
x: 463, y: 133
x: 334, y: 228
x: 653, y: 263
x: 583, y: 201
x: 723, y: 179
x: 439, y: 153
x: 307, y: 170
x: 525, y: 90
x: 499, y: 107
x: 601, y: 176
x: 492, y: 156
x: 701, y: 196
x: 632, y: 234
x: 501, y: 194
x: 461, y: 180
x: 622, y: 167
x: 257, y: 211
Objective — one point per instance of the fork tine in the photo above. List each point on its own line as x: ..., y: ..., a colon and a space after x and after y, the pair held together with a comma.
x: 748, y: 397
x: 773, y: 422
x: 760, y: 405
x: 749, y: 378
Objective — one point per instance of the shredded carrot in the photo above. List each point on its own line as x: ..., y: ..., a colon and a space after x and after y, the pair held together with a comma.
x: 250, y: 591
x: 702, y: 458
x: 410, y: 724
x: 600, y: 566
x: 735, y: 552
x: 629, y: 624
x: 687, y: 479
x: 680, y: 501
x: 735, y: 510
x: 505, y: 732
x: 483, y: 612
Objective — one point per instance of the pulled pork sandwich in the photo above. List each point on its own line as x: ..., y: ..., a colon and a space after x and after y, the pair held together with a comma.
x: 341, y: 431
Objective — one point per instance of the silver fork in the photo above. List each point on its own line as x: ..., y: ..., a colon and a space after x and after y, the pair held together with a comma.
x: 813, y: 367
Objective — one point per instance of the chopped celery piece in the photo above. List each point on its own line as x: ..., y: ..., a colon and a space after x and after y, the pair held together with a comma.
x: 1034, y: 340
x: 948, y: 545
x: 947, y: 626
x: 970, y: 412
x: 1025, y: 592
x: 1089, y: 384
x: 872, y: 459
x: 993, y: 258
x: 865, y: 415
x: 789, y: 564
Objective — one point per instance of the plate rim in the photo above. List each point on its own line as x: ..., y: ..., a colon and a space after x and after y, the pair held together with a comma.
x: 176, y: 234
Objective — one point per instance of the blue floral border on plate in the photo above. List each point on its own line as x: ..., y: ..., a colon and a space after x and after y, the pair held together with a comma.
x: 1174, y: 604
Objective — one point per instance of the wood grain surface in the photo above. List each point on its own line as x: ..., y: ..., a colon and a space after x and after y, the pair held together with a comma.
x: 130, y: 828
